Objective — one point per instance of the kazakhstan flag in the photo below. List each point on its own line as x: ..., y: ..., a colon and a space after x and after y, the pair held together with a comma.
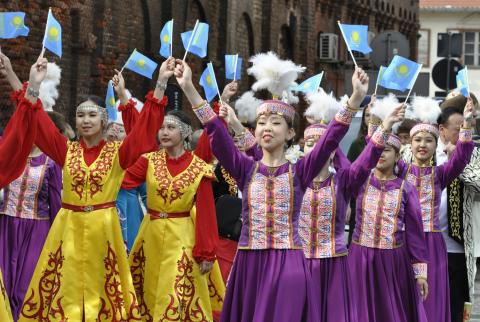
x: 230, y: 61
x: 12, y: 25
x: 209, y: 82
x: 357, y: 37
x: 310, y: 85
x: 166, y: 38
x: 462, y: 82
x: 53, y: 35
x: 401, y: 74
x: 141, y: 64
x: 110, y: 102
x: 199, y: 42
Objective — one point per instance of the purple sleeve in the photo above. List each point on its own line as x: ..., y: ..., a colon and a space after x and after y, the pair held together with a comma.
x: 366, y: 161
x: 451, y: 169
x: 340, y: 160
x: 255, y: 152
x: 224, y: 149
x: 402, y: 168
x: 415, y: 237
x: 54, y: 190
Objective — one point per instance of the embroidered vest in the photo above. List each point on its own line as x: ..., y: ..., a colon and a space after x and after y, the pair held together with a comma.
x: 425, y: 186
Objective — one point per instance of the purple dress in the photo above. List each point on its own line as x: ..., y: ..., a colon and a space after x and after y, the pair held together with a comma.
x: 30, y: 204
x: 387, y: 253
x: 269, y: 280
x: 322, y: 228
x: 429, y: 183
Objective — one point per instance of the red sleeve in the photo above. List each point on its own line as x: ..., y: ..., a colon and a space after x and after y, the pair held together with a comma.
x: 143, y: 137
x: 130, y: 115
x: 203, y: 149
x: 49, y: 139
x: 17, y: 140
x: 15, y: 96
x: 206, y: 232
x: 136, y: 174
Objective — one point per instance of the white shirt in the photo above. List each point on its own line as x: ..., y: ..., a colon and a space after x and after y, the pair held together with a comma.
x: 452, y: 245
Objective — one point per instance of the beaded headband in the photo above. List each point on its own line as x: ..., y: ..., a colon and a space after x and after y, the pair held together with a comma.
x: 314, y: 131
x: 394, y: 141
x: 276, y: 107
x: 185, y: 129
x: 91, y: 107
x: 425, y: 127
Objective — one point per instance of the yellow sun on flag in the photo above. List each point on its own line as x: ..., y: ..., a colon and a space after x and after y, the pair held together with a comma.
x: 111, y: 101
x: 17, y: 22
x: 53, y: 33
x: 355, y: 36
x: 141, y: 63
x: 403, y: 70
x: 459, y: 83
x: 166, y: 38
x: 307, y: 85
x: 209, y: 80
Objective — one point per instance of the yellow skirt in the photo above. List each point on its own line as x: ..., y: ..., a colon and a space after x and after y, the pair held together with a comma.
x: 82, y: 272
x: 5, y: 313
x: 166, y: 277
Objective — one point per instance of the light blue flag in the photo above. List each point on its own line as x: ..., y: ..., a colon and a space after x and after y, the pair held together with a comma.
x: 198, y: 45
x: 166, y: 38
x: 53, y: 35
x: 12, y: 25
x: 110, y: 102
x: 209, y: 82
x: 401, y: 74
x: 230, y: 61
x: 141, y: 64
x: 310, y: 85
x: 462, y: 82
x: 357, y: 37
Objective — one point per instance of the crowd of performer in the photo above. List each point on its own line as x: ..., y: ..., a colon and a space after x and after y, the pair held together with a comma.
x: 144, y: 219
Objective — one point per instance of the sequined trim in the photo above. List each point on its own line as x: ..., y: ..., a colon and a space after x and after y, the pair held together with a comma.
x: 247, y: 140
x: 380, y: 137
x: 276, y: 107
x: 425, y: 127
x: 465, y: 135
x: 204, y: 113
x: 425, y: 186
x: 345, y: 116
x: 420, y: 270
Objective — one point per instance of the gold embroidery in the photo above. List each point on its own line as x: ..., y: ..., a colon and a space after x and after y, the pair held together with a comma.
x: 232, y: 184
x: 455, y: 210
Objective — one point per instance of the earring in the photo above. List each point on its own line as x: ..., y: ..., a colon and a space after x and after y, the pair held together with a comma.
x: 396, y: 169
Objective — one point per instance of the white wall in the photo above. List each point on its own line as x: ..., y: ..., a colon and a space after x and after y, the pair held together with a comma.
x: 438, y: 22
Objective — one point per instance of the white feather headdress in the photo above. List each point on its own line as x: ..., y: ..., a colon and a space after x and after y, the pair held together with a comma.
x: 323, y: 107
x: 48, y: 88
x: 273, y: 74
x: 385, y: 106
x: 246, y: 107
x: 426, y: 109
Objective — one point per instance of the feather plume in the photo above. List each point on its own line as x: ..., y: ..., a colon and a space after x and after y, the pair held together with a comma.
x: 48, y: 88
x: 426, y: 109
x: 385, y: 106
x: 273, y: 74
x: 323, y: 106
x: 246, y: 107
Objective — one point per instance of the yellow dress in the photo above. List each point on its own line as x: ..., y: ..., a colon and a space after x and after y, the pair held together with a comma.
x: 83, y: 269
x: 166, y: 277
x: 5, y: 313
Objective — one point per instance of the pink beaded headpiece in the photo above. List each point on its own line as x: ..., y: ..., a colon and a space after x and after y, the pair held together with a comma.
x: 426, y: 110
x: 314, y: 131
x: 394, y: 141
x: 276, y: 107
x: 425, y: 127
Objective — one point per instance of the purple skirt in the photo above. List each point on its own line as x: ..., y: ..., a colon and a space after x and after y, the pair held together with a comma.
x: 21, y: 242
x: 437, y: 305
x: 269, y: 285
x: 332, y: 289
x: 384, y: 285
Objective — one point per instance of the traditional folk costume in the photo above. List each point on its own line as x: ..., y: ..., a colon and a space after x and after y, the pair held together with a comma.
x: 269, y: 280
x: 177, y: 234
x: 322, y: 221
x: 83, y: 273
x: 16, y: 144
x: 429, y: 182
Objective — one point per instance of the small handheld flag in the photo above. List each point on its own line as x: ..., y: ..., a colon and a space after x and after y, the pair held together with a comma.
x: 379, y: 77
x: 233, y: 67
x: 53, y: 35
x: 195, y: 41
x: 310, y: 85
x: 141, y: 64
x: 209, y: 82
x: 12, y: 25
x: 401, y: 74
x: 356, y: 37
x: 110, y: 102
x: 166, y: 40
x: 462, y: 82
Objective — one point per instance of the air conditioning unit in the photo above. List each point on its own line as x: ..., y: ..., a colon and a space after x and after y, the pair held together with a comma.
x: 328, y: 47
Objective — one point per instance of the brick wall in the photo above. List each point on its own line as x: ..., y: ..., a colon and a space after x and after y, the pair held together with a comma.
x: 98, y: 36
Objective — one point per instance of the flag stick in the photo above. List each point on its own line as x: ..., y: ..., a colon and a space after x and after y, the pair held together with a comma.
x: 46, y: 30
x: 216, y: 84
x: 190, y: 40
x: 346, y: 42
x: 171, y: 42
x: 376, y: 85
x: 320, y: 82
x: 235, y: 70
x: 413, y: 83
x: 466, y: 76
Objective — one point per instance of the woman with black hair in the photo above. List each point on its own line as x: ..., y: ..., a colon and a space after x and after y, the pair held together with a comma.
x: 173, y: 252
